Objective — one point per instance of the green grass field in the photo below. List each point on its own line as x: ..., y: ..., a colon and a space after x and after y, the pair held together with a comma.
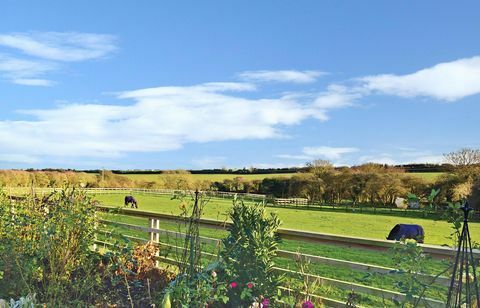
x: 427, y: 176
x: 304, y: 219
x: 375, y: 226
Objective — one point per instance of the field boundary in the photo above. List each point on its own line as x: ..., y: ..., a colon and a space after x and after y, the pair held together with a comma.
x: 268, y: 200
x: 154, y: 232
x: 438, y: 252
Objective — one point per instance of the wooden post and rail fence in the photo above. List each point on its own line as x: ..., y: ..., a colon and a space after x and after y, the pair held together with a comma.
x: 259, y: 198
x: 154, y: 231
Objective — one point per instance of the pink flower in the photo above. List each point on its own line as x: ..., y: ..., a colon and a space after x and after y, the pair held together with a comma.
x: 214, y: 274
x: 307, y: 304
x: 233, y: 285
x: 265, y: 302
x: 249, y: 285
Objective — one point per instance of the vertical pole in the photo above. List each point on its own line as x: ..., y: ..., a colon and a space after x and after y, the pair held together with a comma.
x: 95, y: 227
x: 155, y: 236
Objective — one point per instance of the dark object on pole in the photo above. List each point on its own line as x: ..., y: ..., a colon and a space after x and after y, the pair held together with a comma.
x: 463, y: 291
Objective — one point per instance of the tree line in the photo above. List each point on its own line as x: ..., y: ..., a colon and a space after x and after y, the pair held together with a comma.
x: 320, y: 181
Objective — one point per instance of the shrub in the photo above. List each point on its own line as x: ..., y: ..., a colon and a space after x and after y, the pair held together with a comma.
x: 248, y: 255
x: 45, y: 248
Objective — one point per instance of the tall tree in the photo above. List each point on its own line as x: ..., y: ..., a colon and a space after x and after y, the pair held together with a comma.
x: 463, y: 157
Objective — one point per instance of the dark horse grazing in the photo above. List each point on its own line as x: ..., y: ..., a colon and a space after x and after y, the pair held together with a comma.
x: 404, y: 231
x: 131, y: 200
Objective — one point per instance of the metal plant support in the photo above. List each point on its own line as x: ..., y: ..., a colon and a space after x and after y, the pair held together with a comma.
x: 463, y: 291
x: 191, y: 250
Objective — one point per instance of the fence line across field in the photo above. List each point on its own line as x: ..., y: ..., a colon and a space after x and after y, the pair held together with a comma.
x: 264, y: 199
x: 161, y: 192
x: 438, y: 252
x: 155, y: 230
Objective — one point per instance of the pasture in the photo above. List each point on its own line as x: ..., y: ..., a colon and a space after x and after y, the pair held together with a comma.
x: 350, y: 224
x: 427, y: 176
x: 303, y: 219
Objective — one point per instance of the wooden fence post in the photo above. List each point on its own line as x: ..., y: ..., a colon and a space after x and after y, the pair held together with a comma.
x: 95, y: 230
x: 155, y: 236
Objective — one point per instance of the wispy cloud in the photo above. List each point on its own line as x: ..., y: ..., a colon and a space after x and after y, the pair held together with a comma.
x: 158, y: 119
x: 166, y: 118
x: 401, y: 156
x: 61, y: 46
x: 281, y: 76
x: 26, y: 72
x: 27, y: 57
x: 323, y: 152
x: 449, y: 81
x: 209, y: 162
x: 33, y: 82
x: 328, y: 152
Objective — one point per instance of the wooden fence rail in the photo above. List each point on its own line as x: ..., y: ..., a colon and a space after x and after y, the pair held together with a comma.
x: 154, y: 231
x: 260, y: 198
x: 438, y: 252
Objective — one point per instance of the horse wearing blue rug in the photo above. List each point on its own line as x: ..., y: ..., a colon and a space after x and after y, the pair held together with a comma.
x: 131, y: 200
x: 405, y: 231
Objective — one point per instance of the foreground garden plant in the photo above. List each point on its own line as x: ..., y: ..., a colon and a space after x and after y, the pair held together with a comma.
x: 248, y: 255
x: 244, y: 275
x: 45, y: 247
x: 46, y: 253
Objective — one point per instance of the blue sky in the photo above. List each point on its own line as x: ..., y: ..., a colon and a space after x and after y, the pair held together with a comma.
x: 203, y: 84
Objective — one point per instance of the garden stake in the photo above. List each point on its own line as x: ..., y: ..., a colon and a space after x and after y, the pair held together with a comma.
x: 464, y: 266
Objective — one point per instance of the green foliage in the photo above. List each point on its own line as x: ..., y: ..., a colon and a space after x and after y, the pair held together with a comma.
x: 193, y: 287
x: 248, y: 255
x: 300, y: 285
x: 410, y: 262
x: 45, y: 248
x: 198, y: 291
x: 454, y: 216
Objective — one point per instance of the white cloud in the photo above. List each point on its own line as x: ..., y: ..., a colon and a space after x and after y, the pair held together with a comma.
x: 449, y: 81
x: 209, y: 162
x: 159, y: 119
x: 46, y: 50
x: 432, y: 159
x: 327, y: 152
x: 402, y: 157
x: 324, y: 152
x: 282, y: 76
x: 382, y: 159
x: 21, y: 71
x: 33, y: 82
x: 61, y: 46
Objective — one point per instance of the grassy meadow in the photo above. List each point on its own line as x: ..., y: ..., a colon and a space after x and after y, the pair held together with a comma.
x: 427, y: 176
x: 350, y: 224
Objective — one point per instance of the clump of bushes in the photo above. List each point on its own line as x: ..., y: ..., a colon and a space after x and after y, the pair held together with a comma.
x: 46, y: 247
x: 244, y: 274
x: 47, y: 253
